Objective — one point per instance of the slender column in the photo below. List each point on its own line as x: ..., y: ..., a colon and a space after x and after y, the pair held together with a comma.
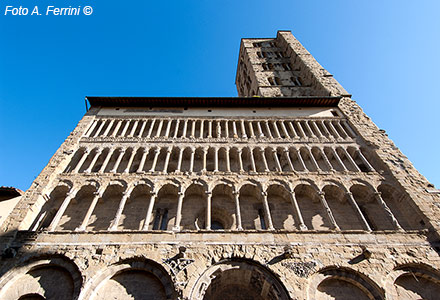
x: 95, y: 158
x: 312, y: 158
x: 201, y: 128
x: 100, y: 128
x: 191, y: 162
x: 85, y: 222
x: 205, y: 151
x: 267, y: 211
x: 364, y: 160
x: 118, y: 125
x: 179, y: 160
x: 208, y: 210
x: 358, y: 211
x: 295, y: 205
x: 150, y: 130
x: 243, y: 130
x: 342, y: 129
x: 149, y: 211
x: 107, y: 130
x: 124, y: 131
x: 284, y: 129
x: 251, y: 129
x: 329, y: 212
x: 319, y: 134
x: 228, y: 162
x: 142, y: 163
x: 209, y: 129
x: 179, y: 211
x: 260, y: 131
x: 327, y: 162
x: 333, y: 130
x: 336, y: 156
x: 324, y: 127
x: 215, y: 159
x: 107, y: 159
x: 301, y: 160
x: 275, y: 127
x: 159, y: 128
x: 167, y: 130
x: 219, y: 129
x: 277, y: 161
x: 292, y: 128
x: 306, y: 125
x: 266, y: 124
x: 141, y: 131
x: 185, y: 127
x: 263, y: 157
x: 240, y: 160
x: 156, y: 155
x: 118, y: 161
x: 167, y: 160
x: 234, y: 129
x: 237, y: 210
x: 176, y: 130
x: 95, y: 122
x: 301, y: 130
x: 69, y: 196
x: 114, y: 224
x: 133, y: 130
x: 81, y: 161
x: 193, y: 129
x: 130, y: 160
x: 348, y: 127
x: 388, y: 211
x: 351, y: 159
x: 286, y: 153
x: 251, y: 154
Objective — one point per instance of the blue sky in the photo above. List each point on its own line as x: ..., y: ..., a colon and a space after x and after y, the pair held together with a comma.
x: 385, y: 53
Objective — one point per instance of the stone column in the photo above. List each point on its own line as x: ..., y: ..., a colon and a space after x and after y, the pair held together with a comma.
x: 89, y: 132
x: 328, y: 211
x: 115, y: 222
x: 260, y: 131
x: 130, y: 161
x: 336, y: 156
x: 266, y: 124
x: 251, y: 154
x: 284, y: 129
x: 286, y: 153
x: 312, y: 158
x: 215, y: 159
x: 69, y: 196
x: 133, y: 130
x: 107, y: 159
x: 100, y: 128
x: 251, y: 129
x: 234, y: 129
x: 118, y: 125
x: 228, y: 161
x: 277, y: 161
x: 219, y: 130
x: 149, y: 211
x: 179, y: 160
x: 209, y: 129
x: 118, y: 161
x: 204, y: 150
x: 150, y: 130
x: 275, y: 127
x: 237, y: 210
x: 191, y: 162
x: 306, y: 124
x: 208, y: 210
x: 176, y: 130
x: 324, y: 157
x: 167, y: 130
x: 337, y: 124
x: 201, y: 128
x: 240, y: 160
x: 292, y: 128
x: 297, y: 211
x: 263, y: 158
x: 193, y: 129
x: 159, y: 128
x: 92, y: 163
x: 301, y: 130
x: 301, y: 160
x: 267, y: 211
x: 156, y: 155
x: 388, y: 211
x: 167, y: 160
x: 351, y: 159
x: 81, y: 161
x: 324, y: 127
x: 85, y: 222
x: 185, y: 128
x: 333, y: 130
x: 243, y: 130
x: 347, y: 126
x: 319, y: 134
x: 179, y: 211
x: 358, y: 211
x: 364, y: 160
x: 142, y: 163
x: 141, y: 131
x: 107, y: 130
x: 124, y: 131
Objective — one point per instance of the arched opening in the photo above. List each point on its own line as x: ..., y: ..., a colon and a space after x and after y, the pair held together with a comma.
x: 135, y: 209
x: 105, y: 210
x: 251, y: 208
x: 165, y: 208
x: 311, y: 209
x: 281, y: 208
x: 417, y: 282
x: 223, y: 212
x: 194, y: 208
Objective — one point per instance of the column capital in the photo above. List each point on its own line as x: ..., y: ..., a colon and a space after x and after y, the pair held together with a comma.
x: 264, y: 194
x: 209, y: 193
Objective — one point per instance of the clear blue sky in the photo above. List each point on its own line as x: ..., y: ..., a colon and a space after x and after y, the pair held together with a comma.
x: 385, y: 53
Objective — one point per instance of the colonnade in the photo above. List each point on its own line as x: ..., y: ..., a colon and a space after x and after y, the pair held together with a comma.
x: 322, y: 128
x: 173, y: 159
x: 247, y: 206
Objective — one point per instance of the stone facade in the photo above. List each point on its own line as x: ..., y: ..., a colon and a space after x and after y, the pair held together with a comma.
x: 292, y: 194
